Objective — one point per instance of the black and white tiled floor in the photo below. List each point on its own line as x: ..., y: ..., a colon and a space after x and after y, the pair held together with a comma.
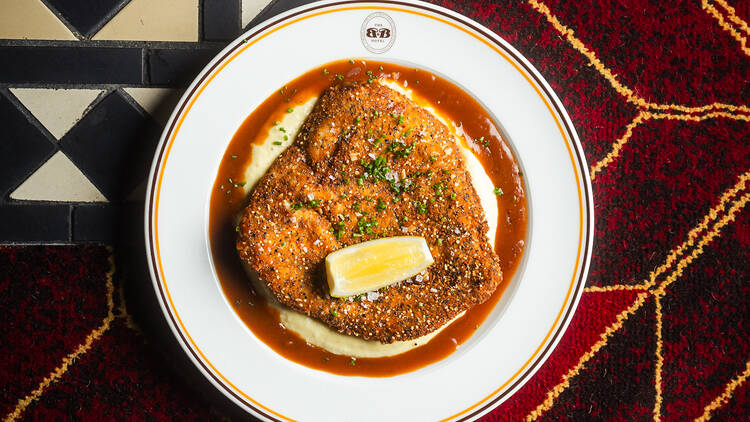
x: 85, y: 89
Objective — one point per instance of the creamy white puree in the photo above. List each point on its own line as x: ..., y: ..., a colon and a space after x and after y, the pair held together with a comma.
x: 312, y: 330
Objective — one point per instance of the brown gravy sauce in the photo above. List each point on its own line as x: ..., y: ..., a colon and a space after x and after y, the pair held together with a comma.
x: 228, y: 201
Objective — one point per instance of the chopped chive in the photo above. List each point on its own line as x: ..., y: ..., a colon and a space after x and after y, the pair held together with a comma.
x: 234, y: 156
x: 420, y: 304
x: 497, y: 191
x: 440, y: 241
x: 341, y: 78
x: 282, y: 129
x: 351, y: 61
x: 243, y: 183
x: 286, y: 138
x: 289, y: 110
x: 352, y: 362
x: 334, y: 312
x: 433, y: 158
x: 277, y: 142
x: 325, y: 71
x: 360, y: 181
x: 358, y: 120
x: 276, y: 123
x: 453, y: 197
x: 237, y: 228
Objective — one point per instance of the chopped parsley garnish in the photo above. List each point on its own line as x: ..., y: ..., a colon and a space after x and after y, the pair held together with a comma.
x: 438, y: 187
x: 381, y: 205
x: 313, y: 203
x: 497, y: 191
x: 339, y: 231
x: 377, y: 168
x: 365, y: 225
x: 406, y: 133
x: 421, y: 207
x: 404, y: 150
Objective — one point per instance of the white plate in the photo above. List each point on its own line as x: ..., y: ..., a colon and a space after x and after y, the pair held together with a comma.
x: 517, y: 336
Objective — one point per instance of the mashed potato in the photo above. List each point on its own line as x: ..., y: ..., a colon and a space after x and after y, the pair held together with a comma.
x: 279, y: 137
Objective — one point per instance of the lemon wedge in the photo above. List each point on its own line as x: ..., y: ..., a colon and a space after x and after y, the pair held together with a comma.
x: 370, y: 265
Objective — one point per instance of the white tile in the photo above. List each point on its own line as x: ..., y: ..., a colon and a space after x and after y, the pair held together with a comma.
x: 251, y: 8
x: 153, y: 20
x: 57, y: 109
x: 31, y: 19
x: 158, y: 102
x: 58, y: 180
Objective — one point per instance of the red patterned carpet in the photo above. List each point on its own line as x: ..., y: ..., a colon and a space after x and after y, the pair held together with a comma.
x: 659, y: 94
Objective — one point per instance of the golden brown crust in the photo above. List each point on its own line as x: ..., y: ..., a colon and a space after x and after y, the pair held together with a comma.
x: 322, y: 192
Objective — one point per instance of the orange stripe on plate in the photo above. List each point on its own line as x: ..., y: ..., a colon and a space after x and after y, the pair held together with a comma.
x: 397, y: 9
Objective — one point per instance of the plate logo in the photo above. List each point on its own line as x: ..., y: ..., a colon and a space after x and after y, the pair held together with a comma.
x: 378, y: 33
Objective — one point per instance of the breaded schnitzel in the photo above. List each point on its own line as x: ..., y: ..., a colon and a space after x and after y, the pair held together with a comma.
x: 368, y: 163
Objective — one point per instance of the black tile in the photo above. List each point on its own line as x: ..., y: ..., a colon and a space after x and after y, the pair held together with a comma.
x: 34, y: 223
x: 221, y: 19
x: 113, y: 145
x: 86, y: 15
x: 22, y: 147
x: 96, y: 222
x: 95, y: 65
x: 177, y: 67
x: 274, y: 8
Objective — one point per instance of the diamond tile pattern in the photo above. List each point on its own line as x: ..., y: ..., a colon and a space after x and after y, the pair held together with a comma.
x: 113, y: 144
x: 22, y: 147
x: 87, y: 15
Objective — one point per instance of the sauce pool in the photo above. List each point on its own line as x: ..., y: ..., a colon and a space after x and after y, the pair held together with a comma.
x: 228, y: 199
